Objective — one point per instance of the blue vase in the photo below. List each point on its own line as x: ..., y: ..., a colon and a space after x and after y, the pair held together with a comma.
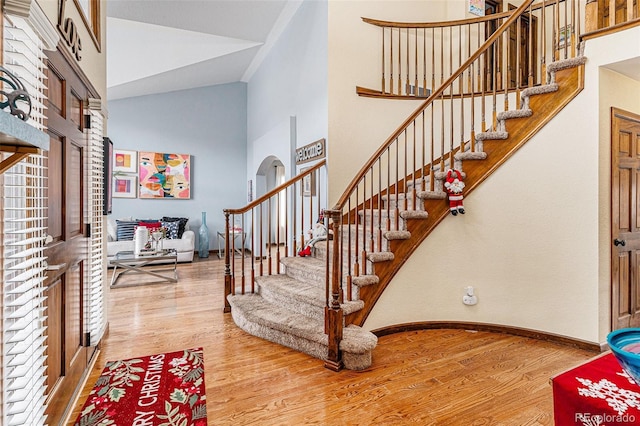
x: 203, y: 241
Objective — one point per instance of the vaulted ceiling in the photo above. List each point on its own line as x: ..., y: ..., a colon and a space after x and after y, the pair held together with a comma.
x: 156, y: 46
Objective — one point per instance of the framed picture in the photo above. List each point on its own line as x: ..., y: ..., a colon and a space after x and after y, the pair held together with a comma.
x: 124, y: 161
x: 124, y: 186
x: 564, y: 36
x: 308, y: 184
x: 164, y: 175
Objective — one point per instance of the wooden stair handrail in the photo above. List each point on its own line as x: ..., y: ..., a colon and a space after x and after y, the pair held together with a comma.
x: 436, y: 93
x: 277, y: 189
x: 459, y: 22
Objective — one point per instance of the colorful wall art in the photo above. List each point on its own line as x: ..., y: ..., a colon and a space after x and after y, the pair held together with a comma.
x: 124, y: 161
x: 124, y: 186
x: 164, y: 175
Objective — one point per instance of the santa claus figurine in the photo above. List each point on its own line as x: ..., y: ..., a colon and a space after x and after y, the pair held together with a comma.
x: 453, y: 185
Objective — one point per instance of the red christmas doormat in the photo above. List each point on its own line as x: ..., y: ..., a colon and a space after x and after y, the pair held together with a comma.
x: 156, y: 390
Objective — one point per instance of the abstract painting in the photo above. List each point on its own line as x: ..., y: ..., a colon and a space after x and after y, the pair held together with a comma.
x: 163, y: 175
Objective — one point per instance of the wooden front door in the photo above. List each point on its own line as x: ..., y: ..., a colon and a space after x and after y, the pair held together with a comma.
x: 66, y: 251
x: 522, y: 50
x: 625, y: 219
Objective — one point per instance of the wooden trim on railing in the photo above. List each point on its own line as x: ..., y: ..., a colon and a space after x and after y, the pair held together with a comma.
x: 610, y: 30
x: 442, y: 24
x: 435, y: 94
x: 277, y: 189
x: 491, y: 328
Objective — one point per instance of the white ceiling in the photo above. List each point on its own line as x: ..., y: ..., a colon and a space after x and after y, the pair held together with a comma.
x: 630, y: 68
x: 156, y: 46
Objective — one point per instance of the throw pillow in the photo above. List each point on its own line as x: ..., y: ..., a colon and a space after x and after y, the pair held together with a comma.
x: 182, y: 222
x: 125, y: 229
x: 151, y: 226
x: 172, y: 229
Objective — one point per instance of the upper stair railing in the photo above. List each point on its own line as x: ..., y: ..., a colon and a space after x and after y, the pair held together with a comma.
x: 411, y: 164
x: 418, y: 57
x: 269, y: 228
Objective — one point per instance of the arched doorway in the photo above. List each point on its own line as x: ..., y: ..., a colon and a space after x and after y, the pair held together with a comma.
x: 270, y: 174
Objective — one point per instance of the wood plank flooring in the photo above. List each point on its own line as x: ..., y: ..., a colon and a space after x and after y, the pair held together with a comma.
x: 430, y: 377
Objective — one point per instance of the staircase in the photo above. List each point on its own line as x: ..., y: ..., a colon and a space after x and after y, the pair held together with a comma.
x: 289, y: 309
x: 318, y: 304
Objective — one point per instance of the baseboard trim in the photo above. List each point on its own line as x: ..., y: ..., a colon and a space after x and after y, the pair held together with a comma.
x: 493, y: 328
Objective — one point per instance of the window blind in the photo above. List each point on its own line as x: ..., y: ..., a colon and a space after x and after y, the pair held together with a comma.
x: 95, y: 309
x: 23, y: 232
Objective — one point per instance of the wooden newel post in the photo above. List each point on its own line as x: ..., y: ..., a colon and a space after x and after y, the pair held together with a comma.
x: 334, y: 318
x: 227, y: 263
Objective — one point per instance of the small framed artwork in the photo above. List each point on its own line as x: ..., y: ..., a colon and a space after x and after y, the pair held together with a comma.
x: 125, y: 161
x: 564, y: 36
x: 125, y: 186
x: 308, y: 184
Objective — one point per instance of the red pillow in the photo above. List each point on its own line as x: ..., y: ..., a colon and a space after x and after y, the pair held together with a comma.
x: 151, y: 226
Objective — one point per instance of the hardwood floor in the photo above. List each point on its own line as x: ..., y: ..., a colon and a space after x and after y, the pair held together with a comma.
x: 430, y: 377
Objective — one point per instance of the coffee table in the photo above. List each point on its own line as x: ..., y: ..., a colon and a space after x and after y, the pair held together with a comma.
x: 132, y: 264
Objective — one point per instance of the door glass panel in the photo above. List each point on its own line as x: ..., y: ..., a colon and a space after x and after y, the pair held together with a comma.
x: 55, y: 160
x: 74, y: 196
x: 76, y: 110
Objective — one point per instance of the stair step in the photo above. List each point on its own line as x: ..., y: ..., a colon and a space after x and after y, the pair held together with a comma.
x: 258, y: 317
x: 401, y: 201
x: 514, y: 113
x: 483, y: 136
x: 381, y: 216
x: 432, y: 195
x: 299, y: 296
x: 538, y: 90
x: 309, y: 269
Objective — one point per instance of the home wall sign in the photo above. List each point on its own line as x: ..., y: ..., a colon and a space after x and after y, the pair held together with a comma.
x: 69, y: 32
x: 313, y: 151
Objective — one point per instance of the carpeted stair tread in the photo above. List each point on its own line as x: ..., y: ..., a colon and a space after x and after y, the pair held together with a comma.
x: 397, y: 235
x: 514, y: 113
x: 538, y: 90
x: 260, y: 318
x: 365, y: 280
x: 414, y: 214
x: 468, y: 155
x: 380, y: 256
x: 308, y: 268
x: 566, y: 63
x: 431, y: 195
x: 300, y: 296
x: 492, y: 136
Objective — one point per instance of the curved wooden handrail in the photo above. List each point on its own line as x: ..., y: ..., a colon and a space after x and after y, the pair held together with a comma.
x: 492, y: 17
x: 277, y: 189
x: 436, y: 94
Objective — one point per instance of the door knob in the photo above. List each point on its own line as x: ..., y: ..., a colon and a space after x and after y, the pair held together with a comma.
x: 618, y: 242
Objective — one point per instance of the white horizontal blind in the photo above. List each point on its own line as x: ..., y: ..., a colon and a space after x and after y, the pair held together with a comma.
x: 23, y: 232
x: 23, y: 313
x: 95, y: 309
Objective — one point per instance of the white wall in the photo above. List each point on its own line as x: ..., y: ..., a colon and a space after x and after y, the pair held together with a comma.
x: 209, y: 123
x: 94, y: 59
x: 291, y: 82
x: 357, y: 125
